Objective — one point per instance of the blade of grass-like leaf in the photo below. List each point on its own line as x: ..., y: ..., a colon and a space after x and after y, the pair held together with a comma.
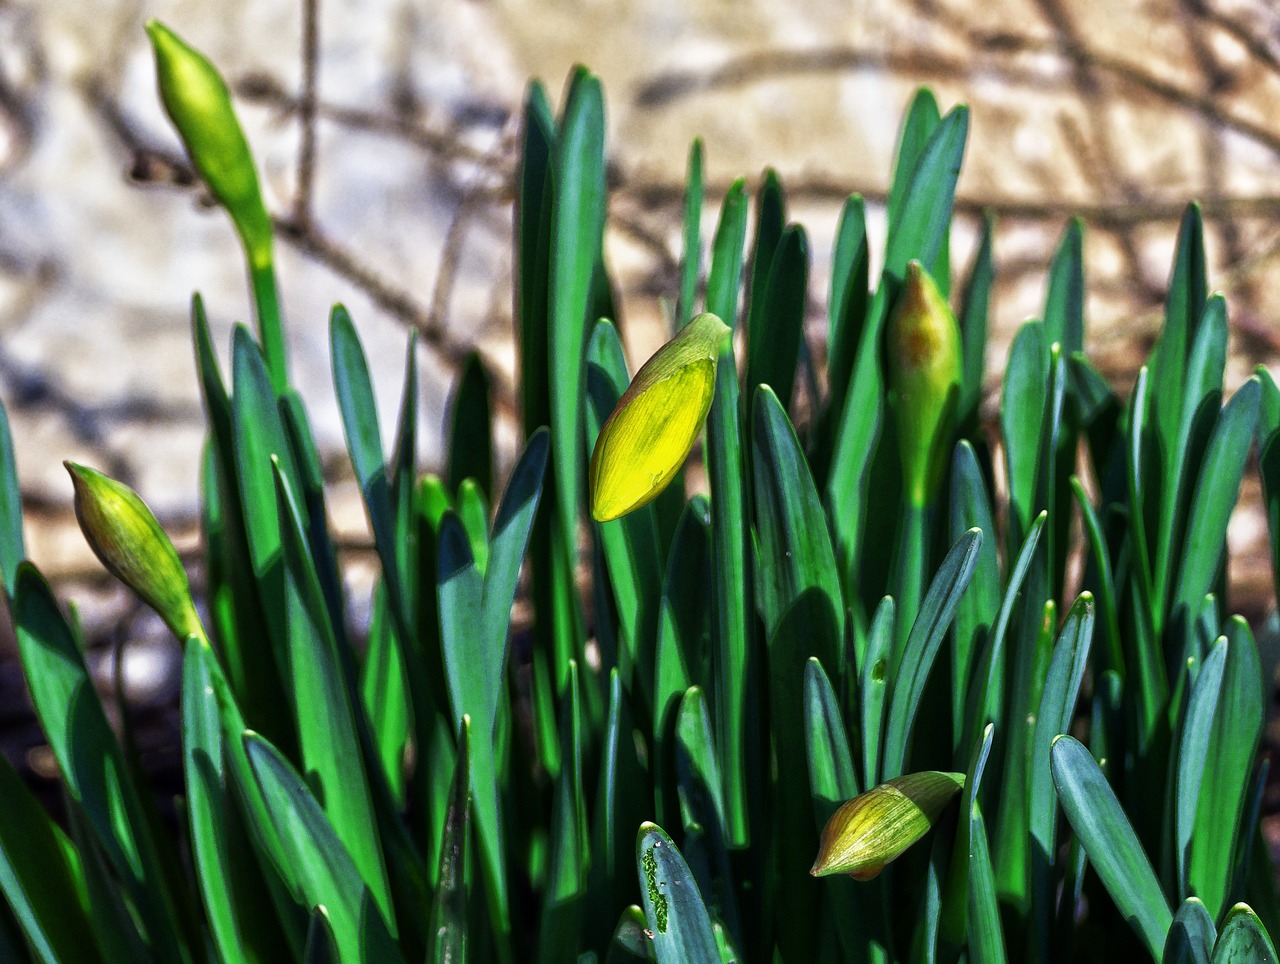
x: 777, y: 328
x: 1192, y: 936
x: 1094, y: 813
x: 955, y: 913
x: 1229, y: 764
x: 448, y: 934
x: 676, y: 915
x: 310, y: 494
x: 797, y: 565
x: 258, y: 435
x: 832, y: 780
x: 1243, y: 939
x: 732, y: 604
x: 384, y: 696
x: 470, y: 442
x: 474, y: 690
x: 1104, y: 587
x: 1216, y: 491
x: 691, y: 252
x: 725, y: 278
x: 771, y: 215
x: 848, y: 301
x: 976, y: 614
x: 1022, y: 423
x: 1029, y: 672
x: 233, y: 897
x: 237, y: 615
x: 12, y: 548
x: 1056, y: 711
x: 974, y: 322
x: 533, y: 207
x: 919, y: 224
x: 630, y: 544
x: 874, y: 685
x: 801, y: 606
x: 630, y: 943
x: 1064, y: 303
x: 577, y: 230
x: 321, y: 946
x: 1193, y: 748
x: 115, y: 928
x: 559, y: 932
x: 317, y: 863
x: 683, y: 620
x: 1184, y: 307
x: 90, y: 760
x: 918, y: 124
x: 511, y: 528
x: 364, y: 444
x: 41, y: 879
x: 910, y: 669
x: 473, y: 512
x: 323, y: 686
x: 986, y: 935
x: 1200, y: 396
x: 731, y: 599
x: 702, y: 805
x: 619, y: 805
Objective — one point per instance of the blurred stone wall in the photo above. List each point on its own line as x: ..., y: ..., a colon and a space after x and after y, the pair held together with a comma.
x: 1117, y: 110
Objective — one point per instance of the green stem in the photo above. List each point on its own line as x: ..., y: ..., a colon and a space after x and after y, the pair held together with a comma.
x: 909, y: 567
x: 266, y: 300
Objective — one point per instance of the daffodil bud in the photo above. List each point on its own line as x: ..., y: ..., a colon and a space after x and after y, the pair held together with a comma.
x: 199, y: 104
x: 872, y: 829
x: 924, y: 372
x: 656, y: 421
x: 127, y: 538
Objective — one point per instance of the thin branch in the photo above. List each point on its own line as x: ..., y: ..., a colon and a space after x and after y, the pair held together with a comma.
x: 307, y: 112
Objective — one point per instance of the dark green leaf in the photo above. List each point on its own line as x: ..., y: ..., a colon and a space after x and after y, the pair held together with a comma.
x: 470, y: 444
x: 911, y: 666
x: 1094, y: 813
x: 676, y: 915
x: 316, y: 862
x: 1192, y: 936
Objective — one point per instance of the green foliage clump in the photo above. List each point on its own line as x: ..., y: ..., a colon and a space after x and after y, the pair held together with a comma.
x: 1041, y: 765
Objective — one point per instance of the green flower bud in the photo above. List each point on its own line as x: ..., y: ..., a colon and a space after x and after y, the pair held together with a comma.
x: 872, y: 829
x: 656, y: 421
x: 127, y: 538
x: 199, y: 104
x: 924, y: 372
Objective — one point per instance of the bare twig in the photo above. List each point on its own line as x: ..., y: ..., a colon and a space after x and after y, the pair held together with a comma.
x: 307, y: 112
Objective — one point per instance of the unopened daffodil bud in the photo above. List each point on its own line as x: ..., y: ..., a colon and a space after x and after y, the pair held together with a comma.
x: 925, y: 369
x: 128, y: 540
x: 656, y: 421
x: 199, y: 104
x: 872, y: 829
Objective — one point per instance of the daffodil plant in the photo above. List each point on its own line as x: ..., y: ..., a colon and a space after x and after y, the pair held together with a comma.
x: 893, y: 684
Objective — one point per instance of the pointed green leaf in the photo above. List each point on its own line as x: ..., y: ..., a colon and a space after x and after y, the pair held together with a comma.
x: 1094, y: 813
x: 676, y: 915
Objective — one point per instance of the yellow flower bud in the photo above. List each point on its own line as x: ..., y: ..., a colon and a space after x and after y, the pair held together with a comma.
x: 127, y: 538
x: 198, y: 103
x: 924, y: 372
x: 656, y: 421
x: 872, y: 829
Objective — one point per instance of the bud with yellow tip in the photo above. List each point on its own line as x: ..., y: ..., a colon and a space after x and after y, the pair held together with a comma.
x: 128, y: 540
x: 872, y: 829
x: 656, y: 421
x: 925, y: 369
x: 199, y: 104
